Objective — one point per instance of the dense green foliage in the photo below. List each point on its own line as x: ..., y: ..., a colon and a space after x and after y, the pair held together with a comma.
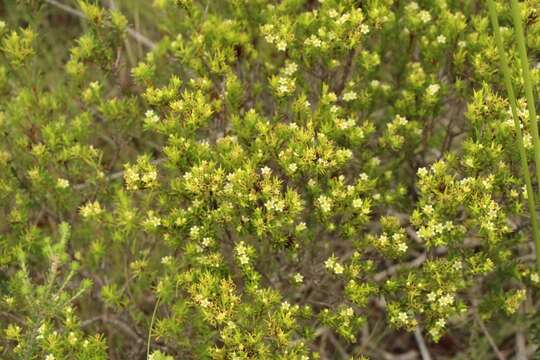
x: 264, y: 179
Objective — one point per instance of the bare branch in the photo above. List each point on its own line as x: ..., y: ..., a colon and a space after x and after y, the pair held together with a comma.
x: 137, y: 36
x: 392, y: 270
x: 114, y: 176
x: 424, y: 352
x: 121, y: 325
x: 489, y: 338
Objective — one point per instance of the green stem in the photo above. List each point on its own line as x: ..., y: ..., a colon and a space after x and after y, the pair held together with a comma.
x: 517, y: 125
x: 150, y: 330
x: 533, y: 123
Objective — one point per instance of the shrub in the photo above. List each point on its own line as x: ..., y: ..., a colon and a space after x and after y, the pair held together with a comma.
x: 259, y: 179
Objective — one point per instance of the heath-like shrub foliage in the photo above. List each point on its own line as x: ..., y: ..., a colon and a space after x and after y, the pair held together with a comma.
x: 264, y: 179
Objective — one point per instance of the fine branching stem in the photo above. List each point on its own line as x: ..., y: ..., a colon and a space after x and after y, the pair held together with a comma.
x: 519, y: 136
x: 137, y: 36
x: 424, y: 352
x: 488, y: 336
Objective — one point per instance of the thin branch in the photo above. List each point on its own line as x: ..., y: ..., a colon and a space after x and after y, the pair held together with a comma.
x: 114, y: 176
x: 137, y: 36
x: 424, y: 352
x: 521, y: 346
x: 394, y: 269
x: 409, y: 355
x: 489, y: 338
x: 347, y: 72
x: 125, y: 328
x: 338, y: 346
x: 12, y: 317
x: 110, y: 177
x: 66, y: 8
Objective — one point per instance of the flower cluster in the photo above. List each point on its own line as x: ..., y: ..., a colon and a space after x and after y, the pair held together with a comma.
x: 262, y: 180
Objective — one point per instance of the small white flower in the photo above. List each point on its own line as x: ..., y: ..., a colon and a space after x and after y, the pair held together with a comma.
x: 205, y: 303
x: 364, y: 29
x: 338, y: 268
x: 357, y: 203
x: 403, y: 317
x: 433, y: 89
x: 343, y: 19
x: 72, y: 338
x: 91, y: 209
x: 301, y: 227
x: 150, y: 117
x: 285, y: 305
x: 313, y: 41
x: 349, y: 96
x: 266, y: 170
x: 527, y: 141
x: 152, y: 221
x: 446, y: 300
x: 413, y: 6
x: 207, y: 241
x: 283, y: 89
x: 9, y: 300
x: 325, y: 203
x: 422, y: 172
x: 425, y: 16
x: 375, y: 83
x: 149, y: 178
x: 62, y: 183
x: 402, y: 247
x: 166, y: 260
x: 244, y: 259
x: 290, y: 69
x: 293, y: 167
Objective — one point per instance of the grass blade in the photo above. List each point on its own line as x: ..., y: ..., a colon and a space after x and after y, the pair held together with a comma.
x: 519, y: 136
x: 533, y: 123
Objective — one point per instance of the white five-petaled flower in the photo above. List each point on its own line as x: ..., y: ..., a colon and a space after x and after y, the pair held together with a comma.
x: 266, y: 170
x: 425, y: 16
x: 441, y: 39
x: 433, y: 89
